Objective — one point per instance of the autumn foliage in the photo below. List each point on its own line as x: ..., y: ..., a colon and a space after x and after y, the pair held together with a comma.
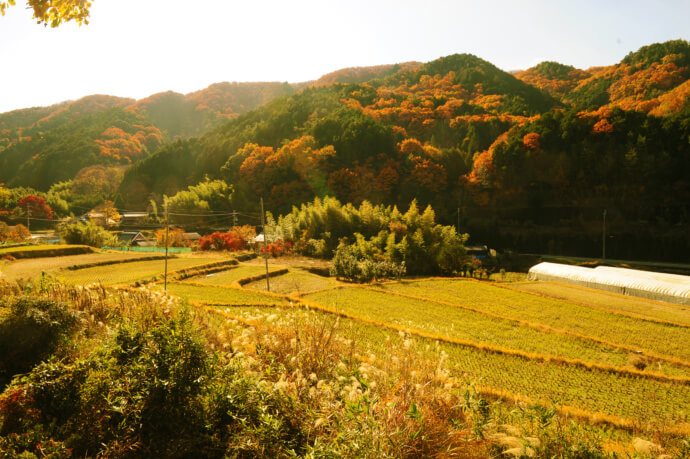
x: 235, y: 239
x: 36, y: 206
x: 175, y: 237
x: 277, y: 248
x: 17, y: 233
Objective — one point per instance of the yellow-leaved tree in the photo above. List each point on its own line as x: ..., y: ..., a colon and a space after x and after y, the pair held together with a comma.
x: 55, y: 12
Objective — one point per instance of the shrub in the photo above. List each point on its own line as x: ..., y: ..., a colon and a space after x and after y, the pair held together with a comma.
x: 33, y: 445
x: 87, y: 233
x: 32, y: 331
x: 19, y: 233
x: 360, y: 262
x: 222, y: 241
x: 234, y: 240
x: 153, y: 393
x: 277, y: 248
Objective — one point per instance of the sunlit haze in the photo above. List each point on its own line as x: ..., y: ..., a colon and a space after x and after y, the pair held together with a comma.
x: 134, y: 48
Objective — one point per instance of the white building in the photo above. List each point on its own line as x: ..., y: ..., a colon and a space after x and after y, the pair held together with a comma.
x: 672, y: 288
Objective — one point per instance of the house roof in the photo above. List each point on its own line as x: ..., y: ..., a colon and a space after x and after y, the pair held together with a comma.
x: 260, y: 238
x: 131, y: 236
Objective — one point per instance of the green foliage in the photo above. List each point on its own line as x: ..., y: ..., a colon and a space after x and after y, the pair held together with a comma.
x: 348, y: 130
x: 157, y: 393
x: 656, y: 52
x: 167, y: 171
x: 591, y: 95
x: 56, y: 149
x: 363, y: 262
x: 381, y: 234
x: 553, y: 70
x: 88, y: 234
x: 31, y: 331
x: 640, y: 162
x: 206, y: 196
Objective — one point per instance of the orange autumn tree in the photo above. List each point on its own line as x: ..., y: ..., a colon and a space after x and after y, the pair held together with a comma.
x: 531, y: 141
x: 125, y: 147
x: 175, y: 238
x: 298, y: 163
x: 105, y: 214
x: 603, y: 126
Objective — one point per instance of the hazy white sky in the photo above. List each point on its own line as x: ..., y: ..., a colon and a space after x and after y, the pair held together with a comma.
x: 134, y: 48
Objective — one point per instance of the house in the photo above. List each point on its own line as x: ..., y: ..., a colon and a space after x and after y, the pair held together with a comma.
x: 259, y: 239
x: 133, y: 217
x: 477, y: 251
x: 99, y: 217
x: 134, y: 238
x: 192, y: 237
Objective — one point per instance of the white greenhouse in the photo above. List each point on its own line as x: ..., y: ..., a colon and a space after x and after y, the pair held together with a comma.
x: 672, y: 288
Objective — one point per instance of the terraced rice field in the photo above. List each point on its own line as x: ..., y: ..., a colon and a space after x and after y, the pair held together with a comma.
x: 658, y: 338
x: 654, y: 310
x: 31, y: 267
x: 595, y: 391
x: 556, y: 351
x: 128, y: 273
x: 34, y: 248
x: 295, y: 281
x: 232, y: 275
x: 593, y: 354
x: 219, y: 295
x: 462, y: 324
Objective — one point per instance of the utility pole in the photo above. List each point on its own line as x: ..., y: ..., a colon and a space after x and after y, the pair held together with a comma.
x: 234, y: 218
x: 28, y: 218
x: 167, y: 227
x: 603, y: 238
x: 263, y: 227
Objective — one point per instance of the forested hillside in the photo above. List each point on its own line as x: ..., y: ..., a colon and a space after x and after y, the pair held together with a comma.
x: 393, y: 139
x: 42, y: 146
x: 364, y: 74
x: 93, y: 130
x: 653, y: 80
x: 527, y: 161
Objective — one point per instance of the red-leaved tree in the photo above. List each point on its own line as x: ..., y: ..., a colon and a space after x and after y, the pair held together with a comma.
x: 36, y: 206
x: 222, y: 241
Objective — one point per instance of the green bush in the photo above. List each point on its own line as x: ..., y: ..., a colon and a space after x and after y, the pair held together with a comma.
x: 88, y: 234
x: 152, y: 394
x: 360, y: 262
x: 412, y: 238
x: 31, y: 331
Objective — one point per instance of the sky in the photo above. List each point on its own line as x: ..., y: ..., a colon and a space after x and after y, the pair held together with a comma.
x: 135, y: 48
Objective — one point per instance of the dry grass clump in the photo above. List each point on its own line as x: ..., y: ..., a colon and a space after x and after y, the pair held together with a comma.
x: 406, y: 406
